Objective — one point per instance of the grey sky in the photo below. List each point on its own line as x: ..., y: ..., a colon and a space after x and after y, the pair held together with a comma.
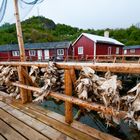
x: 95, y: 14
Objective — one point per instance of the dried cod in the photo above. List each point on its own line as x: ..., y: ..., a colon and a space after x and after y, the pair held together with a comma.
x: 9, y: 74
x: 53, y: 81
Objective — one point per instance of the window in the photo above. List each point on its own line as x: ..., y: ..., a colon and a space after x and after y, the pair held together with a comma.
x: 125, y: 51
x: 32, y: 53
x: 60, y: 51
x: 15, y: 53
x: 80, y: 50
x: 132, y: 51
x: 117, y: 50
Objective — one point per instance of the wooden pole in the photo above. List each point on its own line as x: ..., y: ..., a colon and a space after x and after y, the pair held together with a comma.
x: 73, y: 76
x: 22, y: 51
x: 27, y: 81
x: 68, y: 91
x: 103, y: 67
x: 23, y: 94
x: 19, y: 32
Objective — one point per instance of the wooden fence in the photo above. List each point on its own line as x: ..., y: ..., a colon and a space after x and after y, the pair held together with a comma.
x: 86, y: 58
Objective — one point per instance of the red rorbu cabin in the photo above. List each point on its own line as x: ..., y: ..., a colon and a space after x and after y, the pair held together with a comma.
x: 92, y: 45
x: 131, y: 50
x: 36, y: 51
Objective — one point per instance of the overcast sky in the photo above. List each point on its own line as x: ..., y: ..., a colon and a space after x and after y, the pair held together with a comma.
x: 97, y: 14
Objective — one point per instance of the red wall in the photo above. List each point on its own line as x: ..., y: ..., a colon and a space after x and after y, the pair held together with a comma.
x: 137, y: 52
x: 53, y: 53
x: 102, y: 49
x: 7, y: 56
x: 87, y: 46
x: 4, y: 56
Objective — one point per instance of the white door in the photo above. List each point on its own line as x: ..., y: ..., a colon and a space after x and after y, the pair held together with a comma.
x: 39, y: 54
x: 46, y: 54
x: 109, y: 50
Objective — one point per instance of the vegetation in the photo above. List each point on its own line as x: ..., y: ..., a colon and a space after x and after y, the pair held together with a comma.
x: 41, y: 29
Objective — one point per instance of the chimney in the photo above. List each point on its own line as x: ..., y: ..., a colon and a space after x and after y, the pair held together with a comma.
x: 106, y: 34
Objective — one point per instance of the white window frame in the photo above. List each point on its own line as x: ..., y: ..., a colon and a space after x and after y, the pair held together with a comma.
x: 132, y: 50
x: 117, y: 50
x: 32, y: 52
x: 125, y: 51
x: 60, y: 52
x: 80, y: 50
x: 15, y: 53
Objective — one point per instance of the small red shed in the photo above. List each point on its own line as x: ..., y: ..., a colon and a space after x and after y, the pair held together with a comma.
x: 131, y: 50
x: 92, y: 45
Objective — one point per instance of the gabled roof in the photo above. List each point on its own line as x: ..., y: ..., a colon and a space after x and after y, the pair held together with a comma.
x: 100, y: 39
x: 34, y: 46
x: 132, y: 47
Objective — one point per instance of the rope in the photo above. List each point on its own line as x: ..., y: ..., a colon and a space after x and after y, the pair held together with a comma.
x: 3, y: 9
x: 32, y: 2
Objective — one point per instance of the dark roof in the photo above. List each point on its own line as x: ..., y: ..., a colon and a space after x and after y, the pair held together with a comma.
x: 34, y: 46
x: 132, y: 47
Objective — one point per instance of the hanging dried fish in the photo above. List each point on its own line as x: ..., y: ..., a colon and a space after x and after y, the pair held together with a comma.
x: 7, y: 74
x: 103, y: 90
x: 34, y: 73
x: 53, y: 81
x: 131, y: 103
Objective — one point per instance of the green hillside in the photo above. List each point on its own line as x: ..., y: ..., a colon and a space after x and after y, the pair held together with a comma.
x: 41, y: 29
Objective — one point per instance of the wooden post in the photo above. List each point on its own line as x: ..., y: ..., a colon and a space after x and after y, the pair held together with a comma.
x: 73, y: 76
x: 19, y: 32
x: 22, y: 51
x: 123, y: 59
x: 114, y: 59
x: 29, y: 94
x: 68, y: 91
x: 24, y: 96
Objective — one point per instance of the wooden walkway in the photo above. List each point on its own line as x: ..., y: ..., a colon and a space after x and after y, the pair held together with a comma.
x: 32, y: 122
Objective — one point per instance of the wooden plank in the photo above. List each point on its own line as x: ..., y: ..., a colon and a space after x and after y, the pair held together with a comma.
x: 75, y: 124
x: 67, y: 130
x: 68, y: 91
x: 48, y: 131
x: 1, y: 137
x: 9, y: 133
x: 21, y: 127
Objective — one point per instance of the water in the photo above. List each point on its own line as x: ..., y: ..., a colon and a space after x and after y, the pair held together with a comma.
x: 92, y: 119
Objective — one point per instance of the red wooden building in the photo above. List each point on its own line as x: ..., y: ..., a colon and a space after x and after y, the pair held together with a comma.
x: 36, y: 51
x: 93, y: 45
x: 131, y: 50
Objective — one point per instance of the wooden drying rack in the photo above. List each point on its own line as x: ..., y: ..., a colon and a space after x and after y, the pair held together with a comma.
x: 26, y: 84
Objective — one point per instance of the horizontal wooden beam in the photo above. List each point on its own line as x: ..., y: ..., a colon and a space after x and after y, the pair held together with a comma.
x: 113, y: 67
x: 74, y: 100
